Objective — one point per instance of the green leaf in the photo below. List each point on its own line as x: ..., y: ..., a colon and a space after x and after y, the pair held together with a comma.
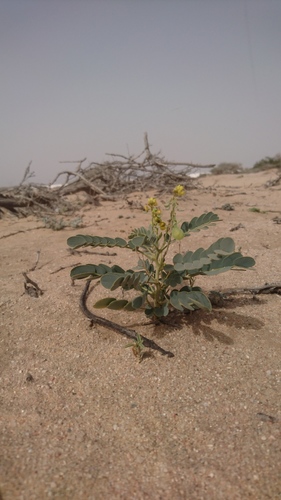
x: 111, y: 242
x: 76, y: 241
x: 229, y: 260
x: 135, y: 280
x: 111, y: 281
x: 227, y: 263
x: 102, y: 303
x: 200, y: 300
x: 149, y: 311
x: 178, y: 258
x: 223, y: 246
x: 81, y: 272
x: 157, y: 311
x: 245, y: 262
x: 173, y: 279
x: 116, y: 305
x: 168, y: 268
x: 103, y: 269
x: 129, y: 307
x: 136, y: 242
x: 202, y: 222
x: 85, y: 240
x: 138, y: 302
x: 120, y: 242
x: 196, y: 262
x: 126, y: 283
x: 141, y: 231
x: 161, y: 311
x: 189, y: 300
x: 174, y: 300
x: 117, y: 269
x: 185, y: 227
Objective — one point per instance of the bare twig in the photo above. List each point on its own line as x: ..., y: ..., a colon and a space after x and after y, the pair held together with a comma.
x: 27, y: 174
x: 36, y: 263
x: 217, y: 297
x: 64, y: 267
x: 266, y: 288
x: 20, y: 231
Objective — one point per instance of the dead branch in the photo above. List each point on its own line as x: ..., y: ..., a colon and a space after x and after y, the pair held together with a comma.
x: 266, y: 288
x: 217, y: 298
x: 21, y: 231
x: 92, y: 186
x: 120, y: 176
x: 27, y: 174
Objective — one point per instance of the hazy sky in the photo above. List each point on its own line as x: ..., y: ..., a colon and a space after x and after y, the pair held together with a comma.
x: 81, y: 78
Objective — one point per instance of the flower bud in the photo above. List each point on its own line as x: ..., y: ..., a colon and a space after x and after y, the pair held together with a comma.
x: 177, y: 233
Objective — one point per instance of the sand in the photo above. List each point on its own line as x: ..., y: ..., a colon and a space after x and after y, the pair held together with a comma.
x: 80, y: 418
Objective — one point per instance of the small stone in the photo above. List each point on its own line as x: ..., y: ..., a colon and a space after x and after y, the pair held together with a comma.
x: 29, y: 378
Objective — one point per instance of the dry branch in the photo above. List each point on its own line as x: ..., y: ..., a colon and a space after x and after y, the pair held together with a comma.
x: 120, y: 176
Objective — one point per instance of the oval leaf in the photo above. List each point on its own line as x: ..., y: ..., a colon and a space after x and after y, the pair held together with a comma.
x: 80, y: 272
x: 102, y: 303
x: 116, y: 305
x: 111, y: 281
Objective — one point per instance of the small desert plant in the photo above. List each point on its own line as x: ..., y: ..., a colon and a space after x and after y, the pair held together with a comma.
x: 161, y: 286
x: 256, y: 210
x: 137, y: 347
x: 268, y: 162
x: 227, y: 168
x: 59, y: 224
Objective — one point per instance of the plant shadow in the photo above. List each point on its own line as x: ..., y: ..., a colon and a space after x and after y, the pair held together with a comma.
x: 203, y: 322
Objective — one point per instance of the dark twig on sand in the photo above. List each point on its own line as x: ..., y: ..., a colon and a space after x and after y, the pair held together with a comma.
x: 114, y: 326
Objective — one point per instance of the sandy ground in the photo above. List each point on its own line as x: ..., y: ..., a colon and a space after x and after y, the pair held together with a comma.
x: 80, y: 418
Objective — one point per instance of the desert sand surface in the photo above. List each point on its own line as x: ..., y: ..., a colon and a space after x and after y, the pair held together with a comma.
x: 81, y: 418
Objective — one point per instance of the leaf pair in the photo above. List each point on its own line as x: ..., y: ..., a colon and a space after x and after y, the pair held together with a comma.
x: 93, y: 271
x: 118, y: 304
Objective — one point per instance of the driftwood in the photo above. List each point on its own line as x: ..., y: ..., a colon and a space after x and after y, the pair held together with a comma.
x: 121, y: 175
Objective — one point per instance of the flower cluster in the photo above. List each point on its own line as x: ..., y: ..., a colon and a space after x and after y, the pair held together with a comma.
x: 152, y: 205
x: 179, y: 190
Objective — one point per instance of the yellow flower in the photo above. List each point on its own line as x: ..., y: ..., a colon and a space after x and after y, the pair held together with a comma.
x: 179, y: 190
x: 152, y: 202
x: 162, y: 225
